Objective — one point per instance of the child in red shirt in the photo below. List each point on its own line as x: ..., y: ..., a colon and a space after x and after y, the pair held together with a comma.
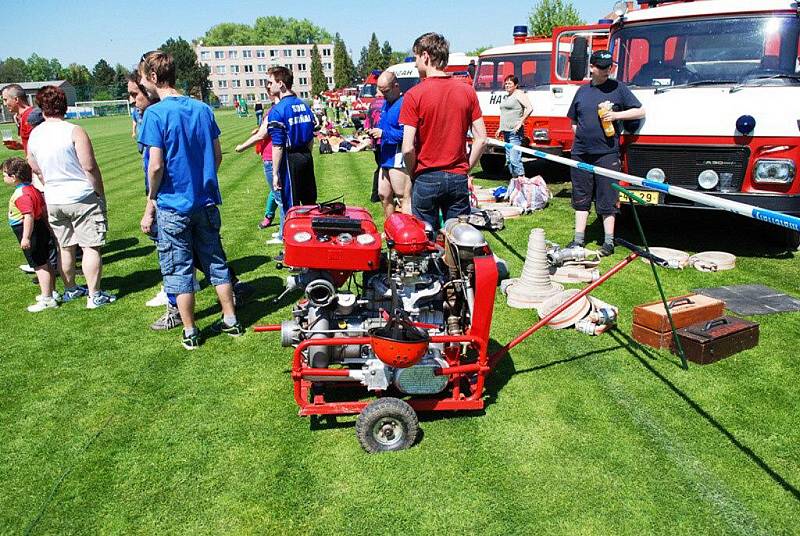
x: 27, y: 215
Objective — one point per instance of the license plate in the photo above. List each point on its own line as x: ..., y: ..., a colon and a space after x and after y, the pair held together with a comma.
x: 648, y: 196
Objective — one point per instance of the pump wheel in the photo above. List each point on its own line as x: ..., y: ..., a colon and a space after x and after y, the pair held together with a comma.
x: 387, y: 424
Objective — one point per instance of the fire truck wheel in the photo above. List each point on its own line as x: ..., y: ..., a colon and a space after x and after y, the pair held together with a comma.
x: 791, y: 239
x: 387, y: 424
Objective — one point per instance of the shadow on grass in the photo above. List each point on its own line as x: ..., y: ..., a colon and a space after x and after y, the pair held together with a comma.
x: 255, y: 306
x: 130, y: 253
x: 702, y: 230
x: 133, y: 282
x: 508, y: 247
x: 643, y: 355
x: 120, y: 244
x: 247, y: 264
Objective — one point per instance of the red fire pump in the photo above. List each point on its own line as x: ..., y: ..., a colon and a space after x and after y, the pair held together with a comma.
x: 410, y: 324
x: 407, y: 326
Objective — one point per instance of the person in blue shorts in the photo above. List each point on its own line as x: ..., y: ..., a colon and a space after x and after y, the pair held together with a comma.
x: 184, y: 155
x: 394, y: 180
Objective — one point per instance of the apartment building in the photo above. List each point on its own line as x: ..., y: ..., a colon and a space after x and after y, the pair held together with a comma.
x: 241, y: 71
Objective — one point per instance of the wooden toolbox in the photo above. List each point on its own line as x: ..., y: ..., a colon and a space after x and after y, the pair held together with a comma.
x: 717, y: 339
x: 651, y: 324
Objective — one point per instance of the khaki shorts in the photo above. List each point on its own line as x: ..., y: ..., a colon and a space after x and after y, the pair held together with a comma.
x: 83, y: 223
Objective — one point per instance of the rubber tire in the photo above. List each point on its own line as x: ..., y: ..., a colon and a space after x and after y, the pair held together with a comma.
x: 494, y: 165
x: 791, y: 239
x: 383, y: 408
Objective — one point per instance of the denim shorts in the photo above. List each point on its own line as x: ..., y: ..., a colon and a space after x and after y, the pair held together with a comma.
x: 184, y: 237
x: 437, y: 191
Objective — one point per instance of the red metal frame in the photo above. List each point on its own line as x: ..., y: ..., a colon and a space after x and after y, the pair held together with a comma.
x: 476, y: 338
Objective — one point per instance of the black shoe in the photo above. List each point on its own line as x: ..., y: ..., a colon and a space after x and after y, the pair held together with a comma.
x: 191, y: 342
x: 221, y: 327
x: 574, y: 244
x: 606, y: 249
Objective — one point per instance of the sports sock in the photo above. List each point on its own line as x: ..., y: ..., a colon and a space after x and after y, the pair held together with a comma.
x: 608, y: 238
x: 188, y: 332
x: 580, y: 237
x: 230, y: 320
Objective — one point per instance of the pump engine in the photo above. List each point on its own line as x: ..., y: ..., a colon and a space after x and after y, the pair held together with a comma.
x: 352, y: 287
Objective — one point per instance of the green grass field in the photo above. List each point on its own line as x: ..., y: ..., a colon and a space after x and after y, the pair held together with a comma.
x: 108, y: 427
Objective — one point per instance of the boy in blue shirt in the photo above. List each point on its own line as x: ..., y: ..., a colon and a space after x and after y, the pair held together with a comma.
x: 291, y: 127
x: 182, y: 138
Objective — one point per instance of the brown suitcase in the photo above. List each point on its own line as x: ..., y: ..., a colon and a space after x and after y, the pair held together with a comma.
x: 686, y: 310
x: 651, y: 337
x: 717, y: 339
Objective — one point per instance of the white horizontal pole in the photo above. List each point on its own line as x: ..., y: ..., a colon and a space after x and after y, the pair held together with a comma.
x: 750, y: 211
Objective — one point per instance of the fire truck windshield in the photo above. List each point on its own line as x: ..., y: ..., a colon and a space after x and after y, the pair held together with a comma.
x: 367, y: 90
x: 532, y: 70
x: 694, y: 52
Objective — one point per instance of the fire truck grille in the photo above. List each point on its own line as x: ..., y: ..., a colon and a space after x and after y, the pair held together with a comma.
x: 682, y: 164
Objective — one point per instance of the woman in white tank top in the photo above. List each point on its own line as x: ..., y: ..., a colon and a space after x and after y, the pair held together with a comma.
x: 62, y: 155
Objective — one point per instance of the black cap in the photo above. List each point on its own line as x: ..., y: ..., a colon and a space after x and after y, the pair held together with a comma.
x: 601, y: 58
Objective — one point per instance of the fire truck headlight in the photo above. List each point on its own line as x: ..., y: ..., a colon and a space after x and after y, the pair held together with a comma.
x: 774, y: 171
x: 656, y: 175
x: 708, y: 179
x: 621, y: 8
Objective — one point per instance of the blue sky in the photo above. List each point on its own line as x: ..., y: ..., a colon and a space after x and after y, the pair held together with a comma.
x: 84, y: 31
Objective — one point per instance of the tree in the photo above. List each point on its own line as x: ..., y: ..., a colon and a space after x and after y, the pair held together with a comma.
x: 342, y: 64
x: 120, y: 81
x: 270, y: 30
x: 387, y: 55
x: 228, y: 33
x: 103, y: 79
x: 477, y: 51
x: 41, y: 69
x: 318, y: 82
x: 80, y: 78
x: 361, y: 67
x: 374, y: 58
x: 190, y: 75
x: 14, y: 70
x: 548, y: 14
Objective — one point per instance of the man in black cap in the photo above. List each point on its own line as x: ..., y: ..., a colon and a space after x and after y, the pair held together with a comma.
x: 601, y: 103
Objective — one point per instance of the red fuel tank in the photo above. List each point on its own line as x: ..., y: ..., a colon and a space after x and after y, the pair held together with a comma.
x: 406, y: 234
x: 348, y: 241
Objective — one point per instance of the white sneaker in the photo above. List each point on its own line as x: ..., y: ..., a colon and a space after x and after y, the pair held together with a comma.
x: 56, y: 296
x: 99, y: 300
x: 42, y: 304
x: 27, y: 269
x: 274, y: 241
x: 159, y: 300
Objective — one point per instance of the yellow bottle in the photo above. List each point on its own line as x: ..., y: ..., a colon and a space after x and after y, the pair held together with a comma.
x: 608, y: 126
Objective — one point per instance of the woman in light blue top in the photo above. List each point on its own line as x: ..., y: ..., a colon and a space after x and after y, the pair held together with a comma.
x: 514, y: 110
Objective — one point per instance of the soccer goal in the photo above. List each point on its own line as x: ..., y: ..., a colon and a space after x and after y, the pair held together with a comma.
x: 99, y: 108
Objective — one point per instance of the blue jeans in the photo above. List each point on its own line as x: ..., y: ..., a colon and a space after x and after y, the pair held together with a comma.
x: 514, y: 158
x: 275, y: 198
x: 180, y: 238
x: 271, y: 205
x: 439, y: 191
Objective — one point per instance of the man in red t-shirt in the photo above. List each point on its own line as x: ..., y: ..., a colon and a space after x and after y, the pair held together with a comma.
x: 15, y: 99
x: 436, y: 115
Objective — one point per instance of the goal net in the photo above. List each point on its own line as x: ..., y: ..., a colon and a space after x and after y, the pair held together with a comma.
x: 99, y: 108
